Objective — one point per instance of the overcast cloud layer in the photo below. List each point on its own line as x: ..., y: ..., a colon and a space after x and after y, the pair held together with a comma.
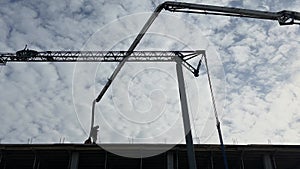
x: 254, y: 65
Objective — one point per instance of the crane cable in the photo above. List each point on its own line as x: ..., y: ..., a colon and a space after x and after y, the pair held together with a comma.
x: 216, y: 115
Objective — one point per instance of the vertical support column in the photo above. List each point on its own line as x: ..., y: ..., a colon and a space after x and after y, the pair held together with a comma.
x: 106, y: 158
x: 74, y: 160
x: 177, y: 160
x: 185, y: 116
x: 170, y: 160
x: 274, y: 161
x: 211, y: 160
x: 2, y: 159
x: 242, y: 166
x: 267, y: 162
x: 36, y: 162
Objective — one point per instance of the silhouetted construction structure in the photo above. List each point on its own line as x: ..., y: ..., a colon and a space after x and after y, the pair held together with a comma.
x: 80, y: 156
x: 73, y: 156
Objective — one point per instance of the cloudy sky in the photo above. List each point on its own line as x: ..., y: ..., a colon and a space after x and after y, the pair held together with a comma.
x: 254, y: 66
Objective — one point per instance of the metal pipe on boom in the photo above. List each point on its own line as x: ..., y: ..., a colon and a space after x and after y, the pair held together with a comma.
x: 284, y: 17
x: 130, y: 50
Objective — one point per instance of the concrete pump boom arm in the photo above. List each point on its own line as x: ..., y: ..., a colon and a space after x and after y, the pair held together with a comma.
x: 284, y: 17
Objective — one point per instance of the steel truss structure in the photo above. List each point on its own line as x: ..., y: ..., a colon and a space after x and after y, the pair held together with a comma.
x: 103, y: 56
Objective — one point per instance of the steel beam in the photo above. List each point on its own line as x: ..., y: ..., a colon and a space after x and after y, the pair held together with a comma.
x: 185, y: 116
x: 96, y: 56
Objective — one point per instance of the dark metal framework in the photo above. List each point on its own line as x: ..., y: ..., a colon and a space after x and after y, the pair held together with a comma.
x: 284, y: 17
x: 102, y: 56
x: 81, y: 156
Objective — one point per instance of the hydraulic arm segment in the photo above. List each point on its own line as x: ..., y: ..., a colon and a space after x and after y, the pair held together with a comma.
x: 284, y: 17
